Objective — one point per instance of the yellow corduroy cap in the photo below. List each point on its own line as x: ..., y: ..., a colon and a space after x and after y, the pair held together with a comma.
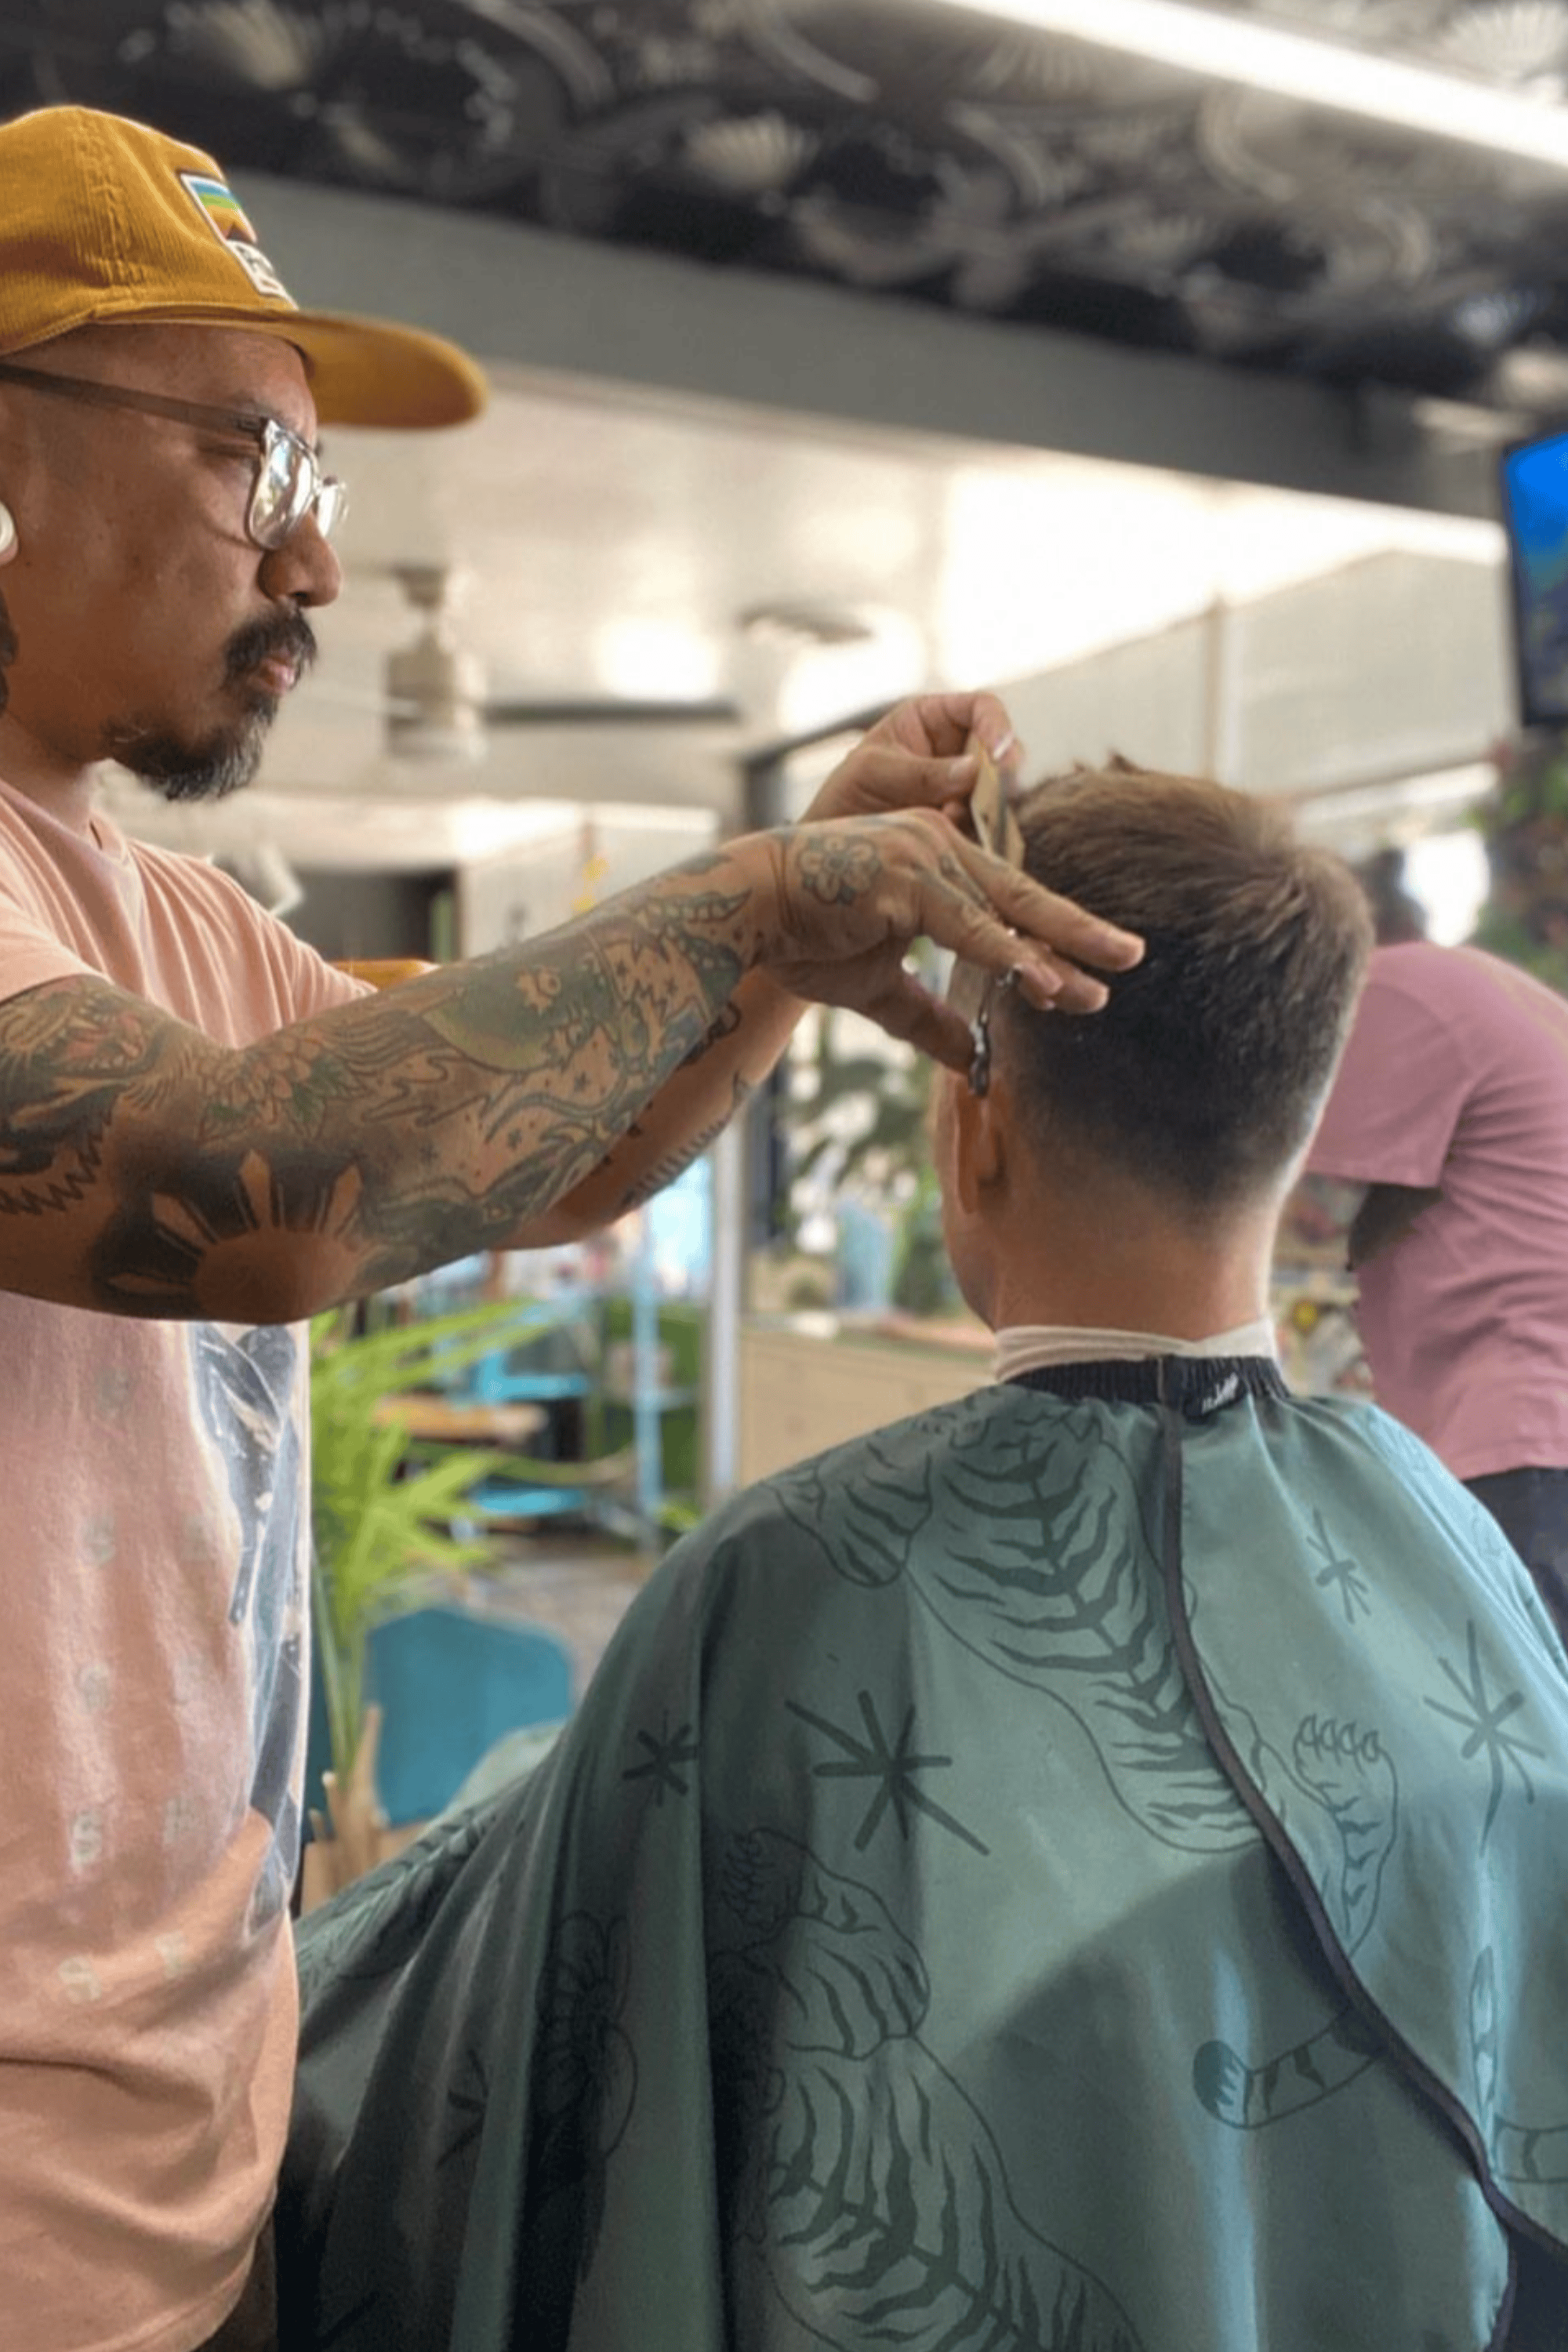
x: 105, y: 221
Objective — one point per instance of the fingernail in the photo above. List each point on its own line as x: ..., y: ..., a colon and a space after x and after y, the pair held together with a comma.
x: 999, y: 749
x: 964, y: 769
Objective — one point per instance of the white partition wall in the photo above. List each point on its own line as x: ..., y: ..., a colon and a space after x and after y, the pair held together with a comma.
x: 1395, y: 666
x: 1392, y: 667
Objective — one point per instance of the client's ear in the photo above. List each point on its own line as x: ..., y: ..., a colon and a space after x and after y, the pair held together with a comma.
x: 980, y: 1141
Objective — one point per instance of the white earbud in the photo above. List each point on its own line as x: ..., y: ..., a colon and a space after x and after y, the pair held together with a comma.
x: 7, y: 530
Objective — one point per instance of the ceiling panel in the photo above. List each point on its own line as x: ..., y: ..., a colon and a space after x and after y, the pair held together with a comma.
x: 922, y: 153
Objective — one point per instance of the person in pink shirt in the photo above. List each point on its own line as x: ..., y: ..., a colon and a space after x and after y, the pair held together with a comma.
x: 1450, y: 1110
x: 207, y: 1135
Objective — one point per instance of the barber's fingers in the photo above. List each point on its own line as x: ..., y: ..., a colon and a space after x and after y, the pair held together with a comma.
x: 905, y: 1008
x: 849, y: 898
x: 918, y: 756
x: 934, y: 725
x: 879, y: 778
x: 993, y: 915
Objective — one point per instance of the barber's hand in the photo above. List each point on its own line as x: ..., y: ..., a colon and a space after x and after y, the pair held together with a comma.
x: 914, y: 758
x: 839, y: 904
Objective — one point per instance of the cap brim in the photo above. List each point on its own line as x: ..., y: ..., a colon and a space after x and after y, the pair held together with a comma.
x: 363, y: 370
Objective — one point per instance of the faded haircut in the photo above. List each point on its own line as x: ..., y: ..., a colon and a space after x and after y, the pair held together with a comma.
x: 1205, y: 1073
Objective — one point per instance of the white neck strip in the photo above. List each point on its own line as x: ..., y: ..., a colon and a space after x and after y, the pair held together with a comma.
x: 1028, y: 1345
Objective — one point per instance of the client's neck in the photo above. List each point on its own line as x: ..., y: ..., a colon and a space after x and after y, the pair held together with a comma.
x: 1115, y: 1258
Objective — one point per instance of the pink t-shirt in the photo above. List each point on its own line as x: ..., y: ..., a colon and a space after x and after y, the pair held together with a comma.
x: 1456, y: 1075
x: 153, y: 1624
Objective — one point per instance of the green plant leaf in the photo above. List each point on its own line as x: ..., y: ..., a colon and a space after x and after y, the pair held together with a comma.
x: 382, y: 1511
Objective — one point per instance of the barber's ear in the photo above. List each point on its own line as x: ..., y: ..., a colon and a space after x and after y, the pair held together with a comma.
x: 980, y: 1139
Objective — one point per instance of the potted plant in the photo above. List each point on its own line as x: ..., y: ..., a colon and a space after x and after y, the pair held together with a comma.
x: 387, y: 1513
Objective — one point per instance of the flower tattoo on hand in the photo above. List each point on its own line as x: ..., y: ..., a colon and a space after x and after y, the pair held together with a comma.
x: 837, y: 871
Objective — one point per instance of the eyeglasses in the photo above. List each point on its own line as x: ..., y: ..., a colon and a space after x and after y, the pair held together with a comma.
x: 289, y: 483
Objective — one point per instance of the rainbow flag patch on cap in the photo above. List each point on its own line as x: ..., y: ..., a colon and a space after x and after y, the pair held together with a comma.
x: 220, y: 208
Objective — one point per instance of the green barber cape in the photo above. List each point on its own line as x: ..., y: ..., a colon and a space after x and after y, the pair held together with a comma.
x: 1084, y: 1869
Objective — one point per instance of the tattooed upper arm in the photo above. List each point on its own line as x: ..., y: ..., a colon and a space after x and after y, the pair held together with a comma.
x: 85, y: 1073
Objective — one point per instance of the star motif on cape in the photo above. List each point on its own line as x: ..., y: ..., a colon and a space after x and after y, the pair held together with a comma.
x: 891, y: 1768
x: 1483, y: 1716
x: 667, y: 1753
x: 1339, y: 1569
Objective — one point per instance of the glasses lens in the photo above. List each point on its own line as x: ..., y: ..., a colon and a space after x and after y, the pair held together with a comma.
x: 332, y: 505
x: 282, y: 490
x: 289, y: 483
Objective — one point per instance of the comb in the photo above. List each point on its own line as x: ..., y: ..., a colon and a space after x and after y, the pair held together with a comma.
x: 990, y: 811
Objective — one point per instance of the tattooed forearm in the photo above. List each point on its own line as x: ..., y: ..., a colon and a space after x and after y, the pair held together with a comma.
x: 675, y: 1164
x: 728, y: 1022
x: 146, y: 1169
x: 172, y: 1176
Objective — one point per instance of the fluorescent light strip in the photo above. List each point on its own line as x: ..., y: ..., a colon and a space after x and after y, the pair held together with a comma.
x: 1297, y: 66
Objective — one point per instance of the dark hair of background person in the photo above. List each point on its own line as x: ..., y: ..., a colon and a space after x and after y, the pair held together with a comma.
x: 1204, y: 1074
x: 1397, y: 915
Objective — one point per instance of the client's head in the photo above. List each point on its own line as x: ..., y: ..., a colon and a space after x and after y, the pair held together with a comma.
x: 1159, y: 1136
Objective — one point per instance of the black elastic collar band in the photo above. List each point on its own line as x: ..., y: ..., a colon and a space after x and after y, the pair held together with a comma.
x: 1196, y: 1385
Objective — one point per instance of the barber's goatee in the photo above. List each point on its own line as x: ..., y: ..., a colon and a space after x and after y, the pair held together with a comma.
x: 182, y: 771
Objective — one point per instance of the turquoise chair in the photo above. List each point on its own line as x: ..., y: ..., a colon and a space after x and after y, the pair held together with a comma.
x: 450, y: 1684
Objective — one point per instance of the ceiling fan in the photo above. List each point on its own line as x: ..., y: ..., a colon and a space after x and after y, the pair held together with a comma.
x: 435, y: 702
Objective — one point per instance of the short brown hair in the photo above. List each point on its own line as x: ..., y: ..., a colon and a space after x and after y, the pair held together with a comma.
x: 1206, y: 1069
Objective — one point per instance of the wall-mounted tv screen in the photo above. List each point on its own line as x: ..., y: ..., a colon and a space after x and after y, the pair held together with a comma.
x: 1535, y: 515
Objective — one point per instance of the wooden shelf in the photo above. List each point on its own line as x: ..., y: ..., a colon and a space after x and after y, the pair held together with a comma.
x: 428, y: 1414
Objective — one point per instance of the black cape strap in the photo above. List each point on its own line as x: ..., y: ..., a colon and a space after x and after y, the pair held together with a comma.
x: 1184, y: 1398
x: 1184, y: 1390
x: 1196, y: 1385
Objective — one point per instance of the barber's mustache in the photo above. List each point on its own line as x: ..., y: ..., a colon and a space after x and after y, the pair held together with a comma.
x: 289, y: 637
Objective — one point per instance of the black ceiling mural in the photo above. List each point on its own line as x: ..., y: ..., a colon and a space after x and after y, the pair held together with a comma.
x: 924, y: 156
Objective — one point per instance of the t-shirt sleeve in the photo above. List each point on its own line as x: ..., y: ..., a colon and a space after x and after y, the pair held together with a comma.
x: 313, y: 984
x: 1391, y: 1112
x: 193, y: 938
x: 302, y: 981
x: 30, y: 954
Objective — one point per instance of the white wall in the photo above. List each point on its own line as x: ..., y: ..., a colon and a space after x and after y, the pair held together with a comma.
x: 520, y: 894
x: 1394, y: 666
